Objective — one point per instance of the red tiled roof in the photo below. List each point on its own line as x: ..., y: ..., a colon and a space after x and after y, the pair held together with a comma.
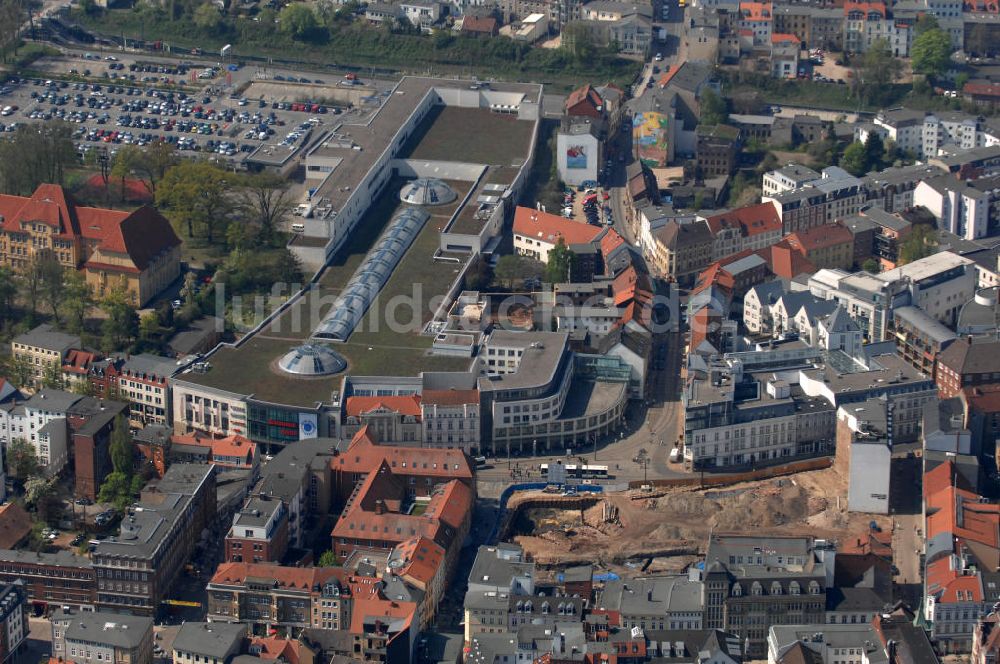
x: 379, y: 608
x: 142, y: 235
x: 273, y: 647
x: 15, y: 525
x: 229, y: 446
x: 300, y: 578
x: 865, y: 7
x: 780, y: 37
x: 983, y: 399
x: 450, y: 397
x: 786, y: 262
x: 611, y: 241
x: 422, y: 558
x: 982, y: 89
x: 752, y: 219
x: 404, y: 405
x: 584, y: 94
x: 78, y: 361
x: 820, y: 237
x: 363, y: 455
x: 538, y: 225
x: 479, y: 24
x: 668, y: 75
x: 756, y: 11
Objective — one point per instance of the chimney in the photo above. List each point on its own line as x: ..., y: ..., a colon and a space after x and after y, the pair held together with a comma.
x: 379, y: 506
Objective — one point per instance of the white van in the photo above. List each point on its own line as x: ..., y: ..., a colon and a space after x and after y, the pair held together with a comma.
x: 298, y: 228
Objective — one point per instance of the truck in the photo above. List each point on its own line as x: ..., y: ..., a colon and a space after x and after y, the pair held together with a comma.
x: 675, y: 455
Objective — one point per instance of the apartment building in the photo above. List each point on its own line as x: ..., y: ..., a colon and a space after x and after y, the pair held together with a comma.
x: 959, y: 549
x: 51, y: 579
x: 43, y: 349
x: 14, y: 625
x: 836, y: 195
x: 655, y: 603
x: 867, y: 22
x: 968, y: 208
x: 753, y: 583
x: 892, y: 189
x: 90, y: 637
x: 864, y: 452
x: 825, y: 246
x: 919, y: 339
x: 137, y: 569
x: 259, y: 532
x: 143, y: 381
x: 208, y: 642
x: 753, y: 227
x: 787, y: 178
x: 451, y: 419
x: 266, y: 594
x: 682, y: 250
x: 536, y: 233
x: 966, y: 364
x: 41, y: 421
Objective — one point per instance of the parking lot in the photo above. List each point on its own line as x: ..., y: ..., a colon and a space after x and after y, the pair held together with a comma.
x: 137, y: 103
x: 589, y: 203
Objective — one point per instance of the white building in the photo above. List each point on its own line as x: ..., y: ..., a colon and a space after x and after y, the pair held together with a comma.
x: 451, y: 419
x: 828, y: 644
x: 864, y: 444
x: 536, y: 233
x: 787, y: 178
x: 41, y: 422
x: 579, y: 150
x: 963, y: 207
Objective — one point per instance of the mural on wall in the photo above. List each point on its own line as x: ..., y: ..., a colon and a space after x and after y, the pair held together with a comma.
x: 576, y: 156
x: 650, y: 133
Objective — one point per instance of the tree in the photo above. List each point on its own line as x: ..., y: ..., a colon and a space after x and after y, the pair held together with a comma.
x: 508, y: 269
x: 925, y: 23
x: 79, y: 300
x: 34, y: 284
x: 21, y: 369
x: 713, y: 108
x: 920, y: 243
x: 870, y: 265
x: 207, y: 17
x: 121, y: 448
x: 8, y: 293
x: 560, y: 263
x: 577, y: 41
x: 931, y: 52
x: 854, y: 159
x: 52, y: 283
x: 328, y: 559
x: 22, y: 461
x: 11, y: 18
x: 266, y: 201
x: 879, y: 69
x: 874, y: 152
x: 121, y: 326
x: 298, y: 21
x: 195, y: 194
x: 52, y: 377
x: 36, y: 154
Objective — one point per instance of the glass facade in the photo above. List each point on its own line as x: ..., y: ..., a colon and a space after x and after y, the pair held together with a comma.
x: 272, y: 425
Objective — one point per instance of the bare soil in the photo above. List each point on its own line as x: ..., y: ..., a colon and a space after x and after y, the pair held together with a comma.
x: 667, y: 530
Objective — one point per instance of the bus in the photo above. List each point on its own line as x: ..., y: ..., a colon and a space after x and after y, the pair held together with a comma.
x: 584, y: 472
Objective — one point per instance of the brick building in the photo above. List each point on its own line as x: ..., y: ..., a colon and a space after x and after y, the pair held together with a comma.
x: 259, y: 532
x: 50, y: 579
x: 967, y: 363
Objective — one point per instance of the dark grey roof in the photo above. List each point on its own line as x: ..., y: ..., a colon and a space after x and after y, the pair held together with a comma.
x: 58, y: 559
x: 53, y: 401
x: 916, y: 318
x: 113, y: 629
x: 211, y: 639
x: 149, y: 365
x: 47, y: 337
x: 944, y: 416
x: 284, y: 475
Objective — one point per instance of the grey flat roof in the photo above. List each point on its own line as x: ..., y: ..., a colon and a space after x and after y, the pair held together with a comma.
x: 918, y: 319
x: 542, y: 356
x: 46, y: 336
x: 653, y: 596
x: 151, y: 365
x: 116, y: 629
x: 60, y: 558
x: 53, y: 401
x: 257, y: 511
x: 212, y: 639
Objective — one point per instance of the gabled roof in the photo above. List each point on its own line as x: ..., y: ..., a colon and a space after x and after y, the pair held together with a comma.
x: 586, y: 94
x: 751, y: 220
x: 549, y: 228
x: 142, y: 235
x: 820, y: 237
x: 289, y: 578
x: 15, y: 525
x: 969, y: 356
x: 418, y: 558
x: 363, y: 455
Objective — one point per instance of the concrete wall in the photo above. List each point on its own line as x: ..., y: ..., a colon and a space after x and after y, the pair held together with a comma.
x: 869, y: 486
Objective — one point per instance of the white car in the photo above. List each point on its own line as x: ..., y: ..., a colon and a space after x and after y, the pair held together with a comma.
x: 659, y: 57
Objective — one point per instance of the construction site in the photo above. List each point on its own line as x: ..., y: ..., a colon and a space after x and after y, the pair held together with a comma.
x: 662, y: 530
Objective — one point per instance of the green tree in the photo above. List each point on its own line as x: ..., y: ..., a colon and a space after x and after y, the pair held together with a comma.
x: 196, y: 194
x: 508, y: 269
x: 879, y: 69
x: 22, y: 461
x: 298, y: 21
x: 52, y: 277
x: 52, y: 378
x: 207, y: 17
x: 713, y: 108
x: 854, y: 159
x: 121, y: 326
x: 328, y: 559
x: 577, y: 41
x: 931, y: 52
x: 8, y: 294
x: 920, y: 243
x: 874, y: 152
x: 870, y: 265
x: 925, y: 22
x: 79, y: 300
x: 33, y: 284
x: 560, y: 263
x: 121, y: 448
x: 21, y: 370
x: 36, y: 154
x: 12, y: 15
